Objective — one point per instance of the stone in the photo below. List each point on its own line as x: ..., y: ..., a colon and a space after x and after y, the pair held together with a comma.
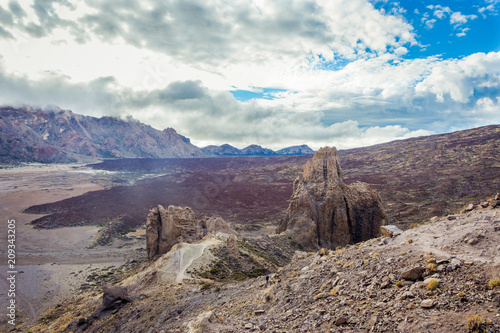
x: 384, y: 241
x: 484, y: 204
x: 259, y: 312
x: 390, y: 231
x: 341, y: 321
x: 452, y: 217
x: 468, y: 208
x: 407, y: 294
x: 167, y: 227
x: 325, y: 212
x: 427, y: 304
x: 494, y: 203
x: 114, y: 296
x: 413, y: 274
x: 198, y: 324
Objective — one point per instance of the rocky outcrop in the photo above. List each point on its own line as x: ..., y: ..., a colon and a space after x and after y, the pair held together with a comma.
x: 325, y: 212
x: 113, y: 299
x: 167, y: 227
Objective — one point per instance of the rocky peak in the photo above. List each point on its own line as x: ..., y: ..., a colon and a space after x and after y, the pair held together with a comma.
x: 325, y: 212
x: 324, y: 167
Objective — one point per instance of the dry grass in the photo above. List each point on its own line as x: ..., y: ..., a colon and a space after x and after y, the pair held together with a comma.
x: 474, y: 323
x: 494, y: 283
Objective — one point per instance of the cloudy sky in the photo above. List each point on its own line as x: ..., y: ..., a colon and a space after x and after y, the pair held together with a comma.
x: 346, y: 73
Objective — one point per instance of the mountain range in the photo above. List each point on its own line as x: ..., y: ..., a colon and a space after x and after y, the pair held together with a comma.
x: 61, y: 136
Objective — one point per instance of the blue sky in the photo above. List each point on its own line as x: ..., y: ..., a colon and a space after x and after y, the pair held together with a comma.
x: 343, y: 73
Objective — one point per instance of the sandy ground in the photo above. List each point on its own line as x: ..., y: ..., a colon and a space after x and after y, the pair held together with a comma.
x: 51, y: 264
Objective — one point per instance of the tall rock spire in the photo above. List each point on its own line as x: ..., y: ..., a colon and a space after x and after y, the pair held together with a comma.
x: 325, y: 212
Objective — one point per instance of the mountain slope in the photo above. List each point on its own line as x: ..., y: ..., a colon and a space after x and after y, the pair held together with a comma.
x: 359, y: 288
x: 255, y: 150
x: 63, y: 136
x: 296, y: 150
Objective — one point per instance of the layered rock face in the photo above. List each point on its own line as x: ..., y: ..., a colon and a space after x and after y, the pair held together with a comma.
x: 325, y: 212
x: 167, y: 227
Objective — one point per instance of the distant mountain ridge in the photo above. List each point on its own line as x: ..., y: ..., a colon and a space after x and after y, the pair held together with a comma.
x: 61, y: 136
x: 255, y: 150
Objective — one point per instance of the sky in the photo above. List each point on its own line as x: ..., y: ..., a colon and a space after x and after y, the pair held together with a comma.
x: 344, y: 73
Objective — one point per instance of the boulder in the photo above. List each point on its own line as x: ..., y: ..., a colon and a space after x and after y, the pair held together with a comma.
x: 427, y: 303
x: 413, y: 274
x: 390, y: 231
x: 325, y: 212
x: 468, y: 208
x: 114, y: 296
x: 167, y: 227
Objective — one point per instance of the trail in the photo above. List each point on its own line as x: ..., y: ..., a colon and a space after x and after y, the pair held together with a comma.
x: 183, y: 257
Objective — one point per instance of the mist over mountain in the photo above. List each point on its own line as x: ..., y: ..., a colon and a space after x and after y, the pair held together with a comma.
x: 62, y: 136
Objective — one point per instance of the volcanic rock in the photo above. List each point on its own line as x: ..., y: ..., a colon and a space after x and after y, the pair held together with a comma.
x: 413, y: 274
x: 167, y: 227
x: 325, y: 212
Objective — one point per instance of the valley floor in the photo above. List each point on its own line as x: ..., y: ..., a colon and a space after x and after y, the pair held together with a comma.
x: 52, y: 264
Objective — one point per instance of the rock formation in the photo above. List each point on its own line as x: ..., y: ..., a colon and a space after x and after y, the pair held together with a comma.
x: 325, y: 212
x: 167, y: 227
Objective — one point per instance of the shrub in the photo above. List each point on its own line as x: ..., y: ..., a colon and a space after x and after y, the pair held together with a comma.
x: 409, y: 240
x: 433, y: 284
x: 474, y: 323
x: 430, y: 260
x: 334, y: 291
x: 494, y: 283
x: 399, y: 284
x: 431, y: 267
x: 206, y: 286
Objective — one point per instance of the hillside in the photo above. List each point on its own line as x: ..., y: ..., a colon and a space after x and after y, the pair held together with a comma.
x: 428, y: 176
x: 61, y: 136
x: 440, y: 277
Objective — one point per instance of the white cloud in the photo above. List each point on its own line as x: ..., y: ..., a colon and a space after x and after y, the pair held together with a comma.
x: 213, y: 36
x: 439, y: 11
x: 463, y: 32
x: 459, y: 18
x: 490, y: 9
